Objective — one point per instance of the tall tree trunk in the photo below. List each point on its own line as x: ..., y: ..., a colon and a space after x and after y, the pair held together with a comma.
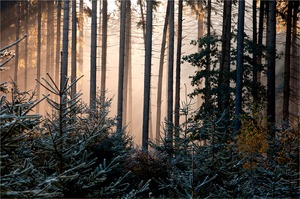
x: 121, y: 66
x: 287, y: 66
x: 260, y: 36
x: 147, y: 77
x: 160, y: 75
x: 239, y: 65
x: 58, y: 40
x: 200, y: 35
x: 26, y: 17
x: 224, y: 80
x: 104, y: 51
x: 271, y: 35
x: 127, y: 61
x: 80, y: 27
x: 38, y: 62
x: 93, y: 57
x: 254, y: 58
x: 18, y: 18
x: 127, y: 110
x: 295, y: 70
x: 170, y: 79
x: 65, y: 43
x: 207, y: 79
x: 74, y: 41
x: 178, y: 65
x: 49, y: 36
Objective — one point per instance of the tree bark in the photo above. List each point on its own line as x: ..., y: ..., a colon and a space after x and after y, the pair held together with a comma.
x: 18, y: 18
x: 58, y: 38
x: 224, y: 80
x: 271, y: 35
x: 239, y: 65
x: 121, y: 66
x: 178, y: 65
x: 93, y: 57
x: 295, y: 70
x: 170, y: 79
x: 26, y: 17
x: 254, y: 58
x: 287, y: 67
x: 104, y: 51
x: 74, y: 46
x: 38, y: 62
x: 160, y: 75
x: 147, y: 77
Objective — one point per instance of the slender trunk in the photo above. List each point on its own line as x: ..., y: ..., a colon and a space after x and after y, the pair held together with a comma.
x: 200, y: 35
x: 74, y: 41
x: 287, y: 67
x: 178, y: 65
x: 121, y: 66
x: 239, y: 65
x: 104, y: 51
x: 207, y: 79
x: 26, y: 16
x: 64, y: 58
x: 147, y: 77
x: 49, y: 30
x: 127, y: 60
x: 18, y: 13
x: 254, y: 58
x: 58, y: 38
x: 80, y: 27
x: 170, y: 79
x: 260, y: 38
x: 271, y: 67
x: 38, y: 62
x: 295, y: 70
x: 93, y: 57
x: 160, y: 74
x: 225, y: 58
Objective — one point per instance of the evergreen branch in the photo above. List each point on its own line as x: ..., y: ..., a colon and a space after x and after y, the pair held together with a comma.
x: 53, y: 89
x: 6, y: 61
x: 14, y: 43
x: 53, y: 82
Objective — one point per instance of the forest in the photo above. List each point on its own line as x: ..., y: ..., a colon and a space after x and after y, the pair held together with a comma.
x: 149, y: 99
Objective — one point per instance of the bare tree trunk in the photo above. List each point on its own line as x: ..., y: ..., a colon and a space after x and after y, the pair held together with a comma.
x: 104, y: 51
x: 223, y: 99
x: 64, y: 58
x: 178, y: 65
x: 18, y: 16
x: 127, y: 59
x: 74, y: 41
x: 160, y: 75
x: 200, y: 35
x: 254, y: 58
x: 287, y: 67
x: 80, y: 27
x: 271, y: 67
x: 26, y: 16
x: 239, y: 65
x: 260, y: 36
x: 49, y: 38
x: 58, y: 38
x: 147, y: 76
x: 295, y: 71
x: 121, y: 66
x: 170, y: 79
x: 93, y: 57
x: 38, y: 62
